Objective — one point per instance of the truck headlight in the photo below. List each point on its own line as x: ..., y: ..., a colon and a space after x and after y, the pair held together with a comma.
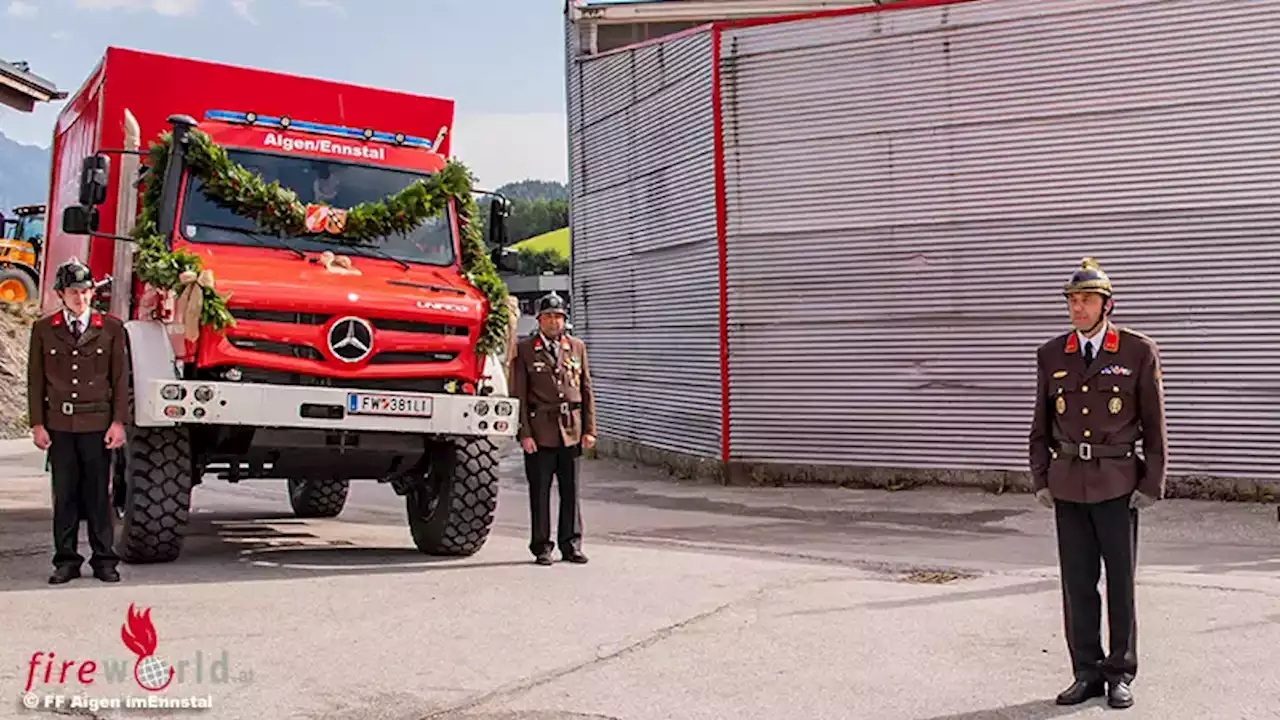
x: 204, y: 393
x: 171, y: 392
x: 503, y: 408
x: 482, y: 408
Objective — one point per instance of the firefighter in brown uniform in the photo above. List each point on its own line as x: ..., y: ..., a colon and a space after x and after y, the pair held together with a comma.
x: 77, y: 403
x: 552, y: 381
x: 1099, y: 395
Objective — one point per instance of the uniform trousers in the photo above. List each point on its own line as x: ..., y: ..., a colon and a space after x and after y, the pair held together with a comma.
x: 560, y: 463
x: 1089, y: 535
x: 81, y: 468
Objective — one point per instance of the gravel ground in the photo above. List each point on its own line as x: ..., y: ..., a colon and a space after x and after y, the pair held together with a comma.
x: 15, y: 330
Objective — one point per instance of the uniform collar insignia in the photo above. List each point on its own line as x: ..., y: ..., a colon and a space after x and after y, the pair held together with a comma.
x: 1111, y: 342
x: 58, y: 319
x: 95, y: 320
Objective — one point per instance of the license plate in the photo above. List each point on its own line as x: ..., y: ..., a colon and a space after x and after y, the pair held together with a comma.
x: 373, y: 404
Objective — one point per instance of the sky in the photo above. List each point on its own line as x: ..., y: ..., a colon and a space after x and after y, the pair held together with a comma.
x: 501, y: 61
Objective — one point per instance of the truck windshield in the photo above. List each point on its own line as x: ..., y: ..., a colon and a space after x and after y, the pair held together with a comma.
x: 318, y: 181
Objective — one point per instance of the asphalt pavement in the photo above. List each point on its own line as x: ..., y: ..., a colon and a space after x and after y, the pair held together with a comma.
x: 699, y: 602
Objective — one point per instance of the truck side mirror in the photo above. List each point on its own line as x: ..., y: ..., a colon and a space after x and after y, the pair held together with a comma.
x: 93, y: 179
x: 80, y: 220
x: 499, y: 210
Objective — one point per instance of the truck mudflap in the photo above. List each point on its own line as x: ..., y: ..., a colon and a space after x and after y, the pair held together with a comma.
x: 168, y: 402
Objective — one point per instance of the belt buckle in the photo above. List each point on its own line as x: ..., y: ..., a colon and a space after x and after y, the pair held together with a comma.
x: 68, y: 408
x: 1086, y: 451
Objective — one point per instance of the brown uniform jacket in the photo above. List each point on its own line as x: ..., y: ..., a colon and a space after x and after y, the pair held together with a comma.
x: 1103, y: 410
x: 557, y: 405
x: 86, y: 377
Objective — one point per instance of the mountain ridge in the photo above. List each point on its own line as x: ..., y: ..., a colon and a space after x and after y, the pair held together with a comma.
x: 24, y: 173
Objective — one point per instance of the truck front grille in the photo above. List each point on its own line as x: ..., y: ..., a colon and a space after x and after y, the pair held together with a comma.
x: 274, y: 377
x: 395, y: 357
x: 279, y: 316
x: 277, y: 348
x: 296, y: 318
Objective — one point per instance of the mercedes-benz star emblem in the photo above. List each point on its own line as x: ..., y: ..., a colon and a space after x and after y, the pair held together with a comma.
x: 351, y: 339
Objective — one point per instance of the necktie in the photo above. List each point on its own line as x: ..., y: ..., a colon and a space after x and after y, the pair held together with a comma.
x: 1088, y: 354
x: 75, y: 328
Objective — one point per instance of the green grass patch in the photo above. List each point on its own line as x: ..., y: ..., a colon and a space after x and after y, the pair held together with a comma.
x: 557, y: 240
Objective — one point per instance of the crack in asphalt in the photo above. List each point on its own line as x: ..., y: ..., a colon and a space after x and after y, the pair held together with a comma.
x: 529, y: 683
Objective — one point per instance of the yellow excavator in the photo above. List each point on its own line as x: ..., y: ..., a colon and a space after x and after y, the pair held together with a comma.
x: 20, y: 254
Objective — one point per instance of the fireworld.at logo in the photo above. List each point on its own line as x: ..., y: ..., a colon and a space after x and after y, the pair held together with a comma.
x: 150, y: 671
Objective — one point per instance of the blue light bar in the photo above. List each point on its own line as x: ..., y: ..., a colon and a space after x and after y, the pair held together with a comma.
x: 285, y: 123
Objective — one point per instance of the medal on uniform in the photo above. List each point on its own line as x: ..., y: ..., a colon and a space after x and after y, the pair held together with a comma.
x: 1114, y: 405
x: 1060, y: 374
x: 1062, y: 404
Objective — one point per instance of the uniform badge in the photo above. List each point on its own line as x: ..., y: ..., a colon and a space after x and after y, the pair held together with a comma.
x: 1061, y: 404
x: 1060, y: 374
x: 1116, y: 370
x: 1114, y: 405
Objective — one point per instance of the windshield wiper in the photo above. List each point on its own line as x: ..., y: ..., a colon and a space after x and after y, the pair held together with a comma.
x: 284, y: 244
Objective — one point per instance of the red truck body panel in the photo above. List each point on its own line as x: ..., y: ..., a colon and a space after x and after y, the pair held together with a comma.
x: 153, y: 87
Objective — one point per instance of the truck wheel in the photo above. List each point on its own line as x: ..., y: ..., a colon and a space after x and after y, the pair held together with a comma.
x: 157, y: 495
x: 312, y: 498
x: 451, y: 509
x: 16, y: 287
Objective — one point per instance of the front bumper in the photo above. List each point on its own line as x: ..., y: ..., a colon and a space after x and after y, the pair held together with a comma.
x: 179, y: 402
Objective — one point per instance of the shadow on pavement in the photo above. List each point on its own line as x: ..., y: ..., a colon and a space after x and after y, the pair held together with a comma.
x: 1037, y: 710
x: 224, y: 547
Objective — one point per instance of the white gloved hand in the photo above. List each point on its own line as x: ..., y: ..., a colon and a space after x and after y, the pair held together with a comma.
x: 1140, y: 500
x: 1045, y: 497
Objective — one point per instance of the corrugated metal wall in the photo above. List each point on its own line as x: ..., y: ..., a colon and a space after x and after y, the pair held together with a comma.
x: 645, y: 258
x: 907, y: 191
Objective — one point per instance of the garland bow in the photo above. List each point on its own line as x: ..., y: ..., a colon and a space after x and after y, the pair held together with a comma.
x: 276, y: 209
x: 191, y: 300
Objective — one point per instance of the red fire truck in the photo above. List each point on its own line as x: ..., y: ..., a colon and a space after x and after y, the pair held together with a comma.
x: 328, y: 375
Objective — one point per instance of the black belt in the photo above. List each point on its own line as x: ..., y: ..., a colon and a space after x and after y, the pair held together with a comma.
x: 1086, y: 451
x: 564, y: 408
x: 70, y: 408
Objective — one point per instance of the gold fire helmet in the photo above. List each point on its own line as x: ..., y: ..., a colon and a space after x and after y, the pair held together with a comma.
x: 1089, y: 278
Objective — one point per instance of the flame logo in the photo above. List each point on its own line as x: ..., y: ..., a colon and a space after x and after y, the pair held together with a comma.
x: 139, y: 635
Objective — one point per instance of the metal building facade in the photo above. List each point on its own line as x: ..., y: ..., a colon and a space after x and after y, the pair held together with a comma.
x: 903, y: 192
x: 643, y: 224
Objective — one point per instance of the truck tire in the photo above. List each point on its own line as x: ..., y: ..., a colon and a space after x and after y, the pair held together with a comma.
x: 317, y: 498
x: 452, y: 510
x: 157, y: 495
x: 16, y: 286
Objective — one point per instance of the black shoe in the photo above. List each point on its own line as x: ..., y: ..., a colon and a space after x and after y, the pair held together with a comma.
x: 64, y: 575
x: 1119, y: 695
x: 543, y: 559
x: 576, y: 558
x: 1080, y: 691
x: 109, y: 575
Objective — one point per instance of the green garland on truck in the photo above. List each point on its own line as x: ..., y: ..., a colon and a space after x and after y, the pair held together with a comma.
x: 278, y: 209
